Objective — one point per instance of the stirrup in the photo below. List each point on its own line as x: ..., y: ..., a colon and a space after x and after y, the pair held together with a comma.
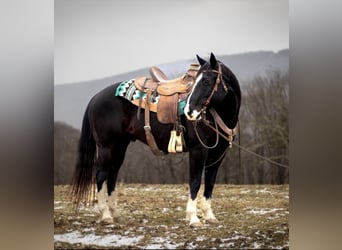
x: 171, y: 148
x: 179, y: 143
x: 176, y: 142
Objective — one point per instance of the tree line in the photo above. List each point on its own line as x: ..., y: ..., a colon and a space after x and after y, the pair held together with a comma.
x: 264, y: 129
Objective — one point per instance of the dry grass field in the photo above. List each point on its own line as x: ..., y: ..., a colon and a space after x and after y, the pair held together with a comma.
x: 153, y: 217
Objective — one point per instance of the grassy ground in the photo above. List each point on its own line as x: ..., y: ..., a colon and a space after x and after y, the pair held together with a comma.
x: 153, y: 217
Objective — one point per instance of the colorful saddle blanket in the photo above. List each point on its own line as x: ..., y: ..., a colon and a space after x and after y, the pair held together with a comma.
x: 128, y: 90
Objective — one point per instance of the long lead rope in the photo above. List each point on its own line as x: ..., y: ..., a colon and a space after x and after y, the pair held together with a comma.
x: 260, y: 156
x: 247, y: 150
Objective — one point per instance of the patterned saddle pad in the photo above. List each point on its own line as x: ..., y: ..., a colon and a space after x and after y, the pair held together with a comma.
x: 127, y: 90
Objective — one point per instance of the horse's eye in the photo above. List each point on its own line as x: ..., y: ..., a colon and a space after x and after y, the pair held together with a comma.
x: 206, y: 81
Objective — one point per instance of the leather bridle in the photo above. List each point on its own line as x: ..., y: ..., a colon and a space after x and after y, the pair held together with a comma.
x: 217, y: 119
x: 219, y: 79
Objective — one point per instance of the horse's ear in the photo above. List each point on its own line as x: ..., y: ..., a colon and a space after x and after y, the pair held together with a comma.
x: 200, y: 60
x: 213, y: 61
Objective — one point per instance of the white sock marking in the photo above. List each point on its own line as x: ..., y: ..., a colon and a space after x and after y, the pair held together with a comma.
x: 191, y: 211
x: 206, y: 209
x: 102, y: 202
x: 113, y: 206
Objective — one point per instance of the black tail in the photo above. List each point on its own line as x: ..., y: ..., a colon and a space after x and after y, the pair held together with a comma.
x: 83, y: 175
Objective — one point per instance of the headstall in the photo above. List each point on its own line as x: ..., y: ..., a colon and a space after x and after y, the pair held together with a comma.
x: 219, y: 79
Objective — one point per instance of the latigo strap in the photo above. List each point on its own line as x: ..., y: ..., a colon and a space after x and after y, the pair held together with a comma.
x: 149, y: 136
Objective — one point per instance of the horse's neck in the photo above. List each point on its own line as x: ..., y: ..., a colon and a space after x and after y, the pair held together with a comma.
x: 222, y: 114
x: 226, y: 114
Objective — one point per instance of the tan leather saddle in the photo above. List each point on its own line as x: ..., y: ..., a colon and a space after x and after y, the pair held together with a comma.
x: 170, y: 92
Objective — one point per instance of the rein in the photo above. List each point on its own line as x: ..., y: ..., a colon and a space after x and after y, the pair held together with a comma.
x: 199, y: 138
x: 218, y: 122
x: 228, y: 138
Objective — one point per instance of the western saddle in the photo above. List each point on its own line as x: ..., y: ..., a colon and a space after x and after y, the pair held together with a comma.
x: 170, y: 93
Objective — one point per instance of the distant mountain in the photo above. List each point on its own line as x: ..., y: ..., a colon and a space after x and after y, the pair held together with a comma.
x: 70, y: 100
x: 245, y: 66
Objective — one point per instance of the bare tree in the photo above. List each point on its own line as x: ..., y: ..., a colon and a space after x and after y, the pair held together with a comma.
x: 266, y: 107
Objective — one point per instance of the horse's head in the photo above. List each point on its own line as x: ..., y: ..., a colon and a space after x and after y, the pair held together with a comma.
x: 215, y: 86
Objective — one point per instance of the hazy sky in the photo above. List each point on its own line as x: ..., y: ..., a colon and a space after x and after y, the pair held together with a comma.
x: 95, y: 39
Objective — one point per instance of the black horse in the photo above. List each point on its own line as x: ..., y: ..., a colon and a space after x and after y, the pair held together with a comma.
x: 110, y: 123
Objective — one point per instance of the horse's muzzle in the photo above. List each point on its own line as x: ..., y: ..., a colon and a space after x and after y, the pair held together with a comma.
x: 193, y: 115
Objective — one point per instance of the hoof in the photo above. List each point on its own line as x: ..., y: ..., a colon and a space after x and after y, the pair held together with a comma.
x: 196, y: 224
x: 212, y: 221
x: 107, y: 221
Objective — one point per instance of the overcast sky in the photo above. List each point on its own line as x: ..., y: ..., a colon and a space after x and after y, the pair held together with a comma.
x: 96, y: 39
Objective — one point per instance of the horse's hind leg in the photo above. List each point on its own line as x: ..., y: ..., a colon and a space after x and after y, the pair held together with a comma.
x: 118, y: 155
x: 102, y: 165
x: 108, y: 166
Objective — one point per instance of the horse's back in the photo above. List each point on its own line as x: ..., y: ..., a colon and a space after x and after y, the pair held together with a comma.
x: 108, y: 114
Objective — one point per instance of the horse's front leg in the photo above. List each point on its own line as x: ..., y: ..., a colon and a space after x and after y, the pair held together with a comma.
x: 197, y: 157
x: 210, y: 176
x: 213, y: 162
